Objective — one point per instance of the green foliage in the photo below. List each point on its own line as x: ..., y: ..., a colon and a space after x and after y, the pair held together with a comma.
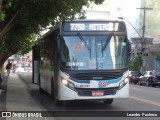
x: 158, y: 57
x: 99, y: 1
x: 135, y: 65
x: 2, y: 16
x: 21, y: 20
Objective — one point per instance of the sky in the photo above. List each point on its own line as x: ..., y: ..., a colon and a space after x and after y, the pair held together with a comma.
x: 112, y: 9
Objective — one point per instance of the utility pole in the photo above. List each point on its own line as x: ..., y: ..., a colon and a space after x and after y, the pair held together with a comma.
x: 143, y: 29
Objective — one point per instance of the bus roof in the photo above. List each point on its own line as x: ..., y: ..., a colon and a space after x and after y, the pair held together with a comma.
x: 100, y: 25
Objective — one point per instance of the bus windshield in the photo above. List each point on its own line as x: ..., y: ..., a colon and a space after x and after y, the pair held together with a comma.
x: 99, y: 52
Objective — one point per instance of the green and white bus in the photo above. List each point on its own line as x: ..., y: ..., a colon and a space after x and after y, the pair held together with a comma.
x: 84, y: 60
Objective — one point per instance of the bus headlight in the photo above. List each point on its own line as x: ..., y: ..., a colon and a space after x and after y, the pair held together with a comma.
x: 123, y: 83
x: 126, y: 80
x: 64, y: 81
x: 67, y: 83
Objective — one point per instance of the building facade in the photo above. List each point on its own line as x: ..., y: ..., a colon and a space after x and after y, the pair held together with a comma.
x: 152, y: 29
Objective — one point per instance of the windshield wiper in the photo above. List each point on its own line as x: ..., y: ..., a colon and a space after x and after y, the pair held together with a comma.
x: 82, y: 39
x: 107, y: 41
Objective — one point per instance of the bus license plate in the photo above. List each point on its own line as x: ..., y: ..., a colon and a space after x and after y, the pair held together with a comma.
x: 97, y: 93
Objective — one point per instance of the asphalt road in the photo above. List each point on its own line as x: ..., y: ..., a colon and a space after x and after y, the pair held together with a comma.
x: 141, y: 98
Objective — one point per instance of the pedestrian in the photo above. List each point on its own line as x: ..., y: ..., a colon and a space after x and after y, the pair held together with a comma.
x: 8, y: 67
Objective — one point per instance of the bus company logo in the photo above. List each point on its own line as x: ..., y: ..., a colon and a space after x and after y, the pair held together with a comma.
x: 103, y: 83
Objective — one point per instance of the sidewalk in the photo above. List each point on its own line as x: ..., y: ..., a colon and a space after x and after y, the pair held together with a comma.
x: 19, y: 99
x: 26, y: 69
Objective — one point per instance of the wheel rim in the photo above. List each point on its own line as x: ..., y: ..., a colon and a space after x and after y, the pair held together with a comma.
x: 139, y: 82
x: 147, y: 83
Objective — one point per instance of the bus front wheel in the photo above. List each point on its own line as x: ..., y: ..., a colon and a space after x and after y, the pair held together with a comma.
x: 41, y: 91
x: 58, y: 102
x: 108, y: 101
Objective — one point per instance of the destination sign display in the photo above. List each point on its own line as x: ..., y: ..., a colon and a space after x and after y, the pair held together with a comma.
x: 90, y: 26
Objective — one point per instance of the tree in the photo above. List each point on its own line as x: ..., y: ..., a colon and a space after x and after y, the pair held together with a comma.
x: 135, y: 65
x: 21, y: 20
x: 158, y: 57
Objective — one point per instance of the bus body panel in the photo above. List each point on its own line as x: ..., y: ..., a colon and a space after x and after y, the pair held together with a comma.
x: 51, y: 74
x: 124, y: 92
x: 66, y: 93
x: 45, y: 80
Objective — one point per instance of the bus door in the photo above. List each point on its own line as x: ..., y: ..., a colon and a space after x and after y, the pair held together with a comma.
x: 36, y: 63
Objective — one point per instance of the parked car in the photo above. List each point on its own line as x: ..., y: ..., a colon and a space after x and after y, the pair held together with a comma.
x: 153, y: 80
x: 145, y: 76
x: 134, y: 76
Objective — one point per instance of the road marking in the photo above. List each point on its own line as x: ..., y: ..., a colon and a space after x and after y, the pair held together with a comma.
x: 135, y: 88
x: 144, y: 100
x: 145, y: 89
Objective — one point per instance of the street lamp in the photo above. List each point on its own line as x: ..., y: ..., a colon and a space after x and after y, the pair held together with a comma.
x: 130, y: 24
x: 141, y: 38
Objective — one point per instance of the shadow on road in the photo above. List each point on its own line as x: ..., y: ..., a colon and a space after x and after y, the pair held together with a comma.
x: 47, y: 101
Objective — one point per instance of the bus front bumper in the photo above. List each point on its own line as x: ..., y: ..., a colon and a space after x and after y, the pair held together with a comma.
x: 66, y: 93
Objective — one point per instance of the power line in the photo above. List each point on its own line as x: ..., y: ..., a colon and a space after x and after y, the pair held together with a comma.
x: 144, y: 17
x: 143, y: 28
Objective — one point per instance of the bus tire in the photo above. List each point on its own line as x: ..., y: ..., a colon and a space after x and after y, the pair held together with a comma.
x: 58, y: 102
x: 41, y: 91
x: 108, y: 101
x: 53, y: 94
